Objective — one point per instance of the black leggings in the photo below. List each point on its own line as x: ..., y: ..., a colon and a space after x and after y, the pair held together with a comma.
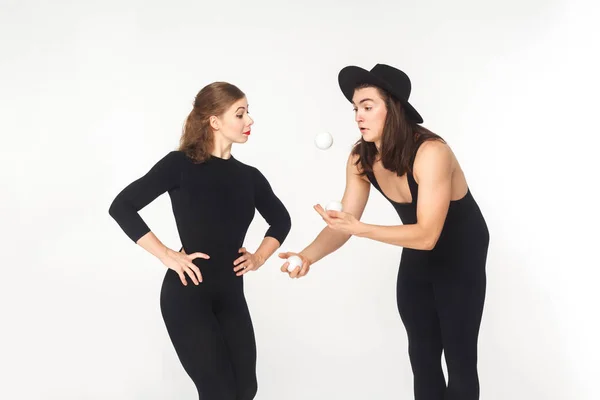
x: 441, y: 308
x: 212, y: 333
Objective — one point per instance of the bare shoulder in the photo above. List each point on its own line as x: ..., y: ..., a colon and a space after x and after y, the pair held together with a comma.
x: 352, y: 160
x: 434, y: 155
x: 433, y: 150
x: 353, y: 167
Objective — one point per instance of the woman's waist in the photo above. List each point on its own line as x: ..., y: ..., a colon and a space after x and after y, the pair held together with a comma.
x: 216, y: 246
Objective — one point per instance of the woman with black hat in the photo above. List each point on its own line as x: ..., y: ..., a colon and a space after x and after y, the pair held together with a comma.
x: 441, y: 280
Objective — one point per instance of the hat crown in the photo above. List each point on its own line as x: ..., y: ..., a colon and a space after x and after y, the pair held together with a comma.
x: 388, y: 78
x: 393, y: 77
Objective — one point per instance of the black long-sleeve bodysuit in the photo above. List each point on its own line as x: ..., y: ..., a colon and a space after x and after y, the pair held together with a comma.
x: 209, y: 324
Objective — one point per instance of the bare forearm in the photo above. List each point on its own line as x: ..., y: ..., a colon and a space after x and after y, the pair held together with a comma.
x: 267, y: 248
x: 324, y: 244
x: 152, y: 245
x: 411, y: 236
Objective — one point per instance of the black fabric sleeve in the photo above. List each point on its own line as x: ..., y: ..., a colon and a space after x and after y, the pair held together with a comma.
x: 271, y: 208
x: 162, y: 177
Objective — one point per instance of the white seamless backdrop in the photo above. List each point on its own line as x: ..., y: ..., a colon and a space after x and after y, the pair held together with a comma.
x: 94, y: 93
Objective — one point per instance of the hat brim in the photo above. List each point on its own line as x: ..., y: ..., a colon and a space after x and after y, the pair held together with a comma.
x: 352, y: 76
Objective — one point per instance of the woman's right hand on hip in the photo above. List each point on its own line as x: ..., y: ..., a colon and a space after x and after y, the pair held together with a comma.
x: 181, y: 263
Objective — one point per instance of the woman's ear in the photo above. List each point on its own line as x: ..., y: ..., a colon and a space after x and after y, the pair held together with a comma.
x: 215, y: 123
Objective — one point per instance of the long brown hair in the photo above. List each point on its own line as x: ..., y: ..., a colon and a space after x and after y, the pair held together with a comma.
x: 197, y: 138
x: 400, y: 140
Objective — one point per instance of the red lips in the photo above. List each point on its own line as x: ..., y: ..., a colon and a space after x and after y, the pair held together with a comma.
x: 247, y: 133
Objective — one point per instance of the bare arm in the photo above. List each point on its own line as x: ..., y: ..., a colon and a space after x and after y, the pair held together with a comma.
x: 354, y: 201
x: 253, y: 261
x: 153, y: 245
x: 433, y: 170
x: 266, y: 249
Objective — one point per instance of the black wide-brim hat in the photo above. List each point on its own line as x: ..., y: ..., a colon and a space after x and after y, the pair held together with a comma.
x: 390, y: 79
